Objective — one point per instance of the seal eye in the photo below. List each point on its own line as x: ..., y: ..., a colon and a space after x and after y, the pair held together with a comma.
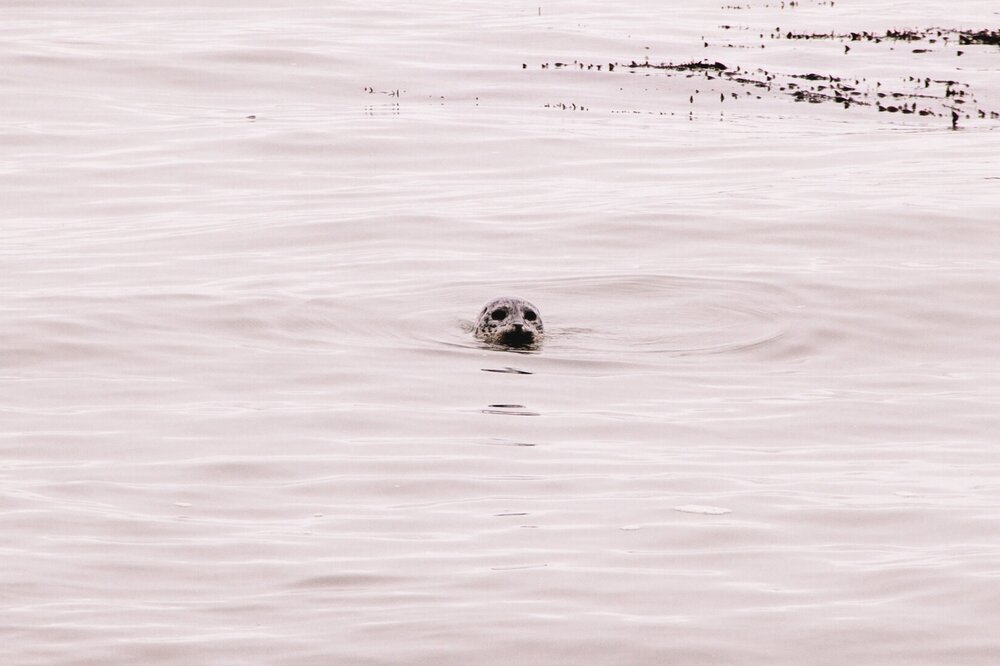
x: 529, y: 315
x: 499, y: 314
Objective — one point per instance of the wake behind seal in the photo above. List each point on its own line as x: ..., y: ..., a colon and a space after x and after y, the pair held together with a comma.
x: 510, y: 322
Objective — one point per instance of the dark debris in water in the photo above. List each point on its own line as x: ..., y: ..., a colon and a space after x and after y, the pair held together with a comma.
x: 980, y: 37
x: 931, y: 35
x: 926, y: 97
x: 683, y: 67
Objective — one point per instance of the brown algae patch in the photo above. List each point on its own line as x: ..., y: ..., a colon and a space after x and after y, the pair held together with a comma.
x: 928, y: 96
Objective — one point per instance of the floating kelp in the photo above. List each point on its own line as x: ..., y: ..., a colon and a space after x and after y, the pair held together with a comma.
x: 926, y: 97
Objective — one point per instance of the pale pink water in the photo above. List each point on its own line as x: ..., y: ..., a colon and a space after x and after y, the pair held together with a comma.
x: 242, y: 421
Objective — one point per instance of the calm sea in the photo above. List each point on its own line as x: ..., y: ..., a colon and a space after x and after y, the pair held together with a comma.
x: 243, y: 421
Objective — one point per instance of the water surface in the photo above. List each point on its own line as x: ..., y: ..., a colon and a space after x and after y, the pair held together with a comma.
x: 242, y: 419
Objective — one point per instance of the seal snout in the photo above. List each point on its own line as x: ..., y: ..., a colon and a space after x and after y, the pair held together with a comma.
x: 517, y: 336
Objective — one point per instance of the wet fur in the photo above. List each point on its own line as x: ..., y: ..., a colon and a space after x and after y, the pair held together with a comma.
x: 521, y: 326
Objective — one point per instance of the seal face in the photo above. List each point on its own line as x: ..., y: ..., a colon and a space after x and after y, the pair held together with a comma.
x: 511, y: 322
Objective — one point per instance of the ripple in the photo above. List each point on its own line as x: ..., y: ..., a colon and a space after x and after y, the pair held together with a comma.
x: 639, y: 314
x: 703, y: 510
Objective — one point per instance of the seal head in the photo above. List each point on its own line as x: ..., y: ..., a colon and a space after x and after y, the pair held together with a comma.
x: 509, y: 322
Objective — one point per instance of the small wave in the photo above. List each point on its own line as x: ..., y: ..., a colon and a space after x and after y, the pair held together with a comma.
x: 617, y: 315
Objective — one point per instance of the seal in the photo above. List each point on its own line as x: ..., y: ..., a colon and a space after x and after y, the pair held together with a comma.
x: 509, y: 322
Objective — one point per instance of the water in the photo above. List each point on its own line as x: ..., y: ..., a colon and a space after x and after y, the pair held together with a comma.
x: 242, y: 418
